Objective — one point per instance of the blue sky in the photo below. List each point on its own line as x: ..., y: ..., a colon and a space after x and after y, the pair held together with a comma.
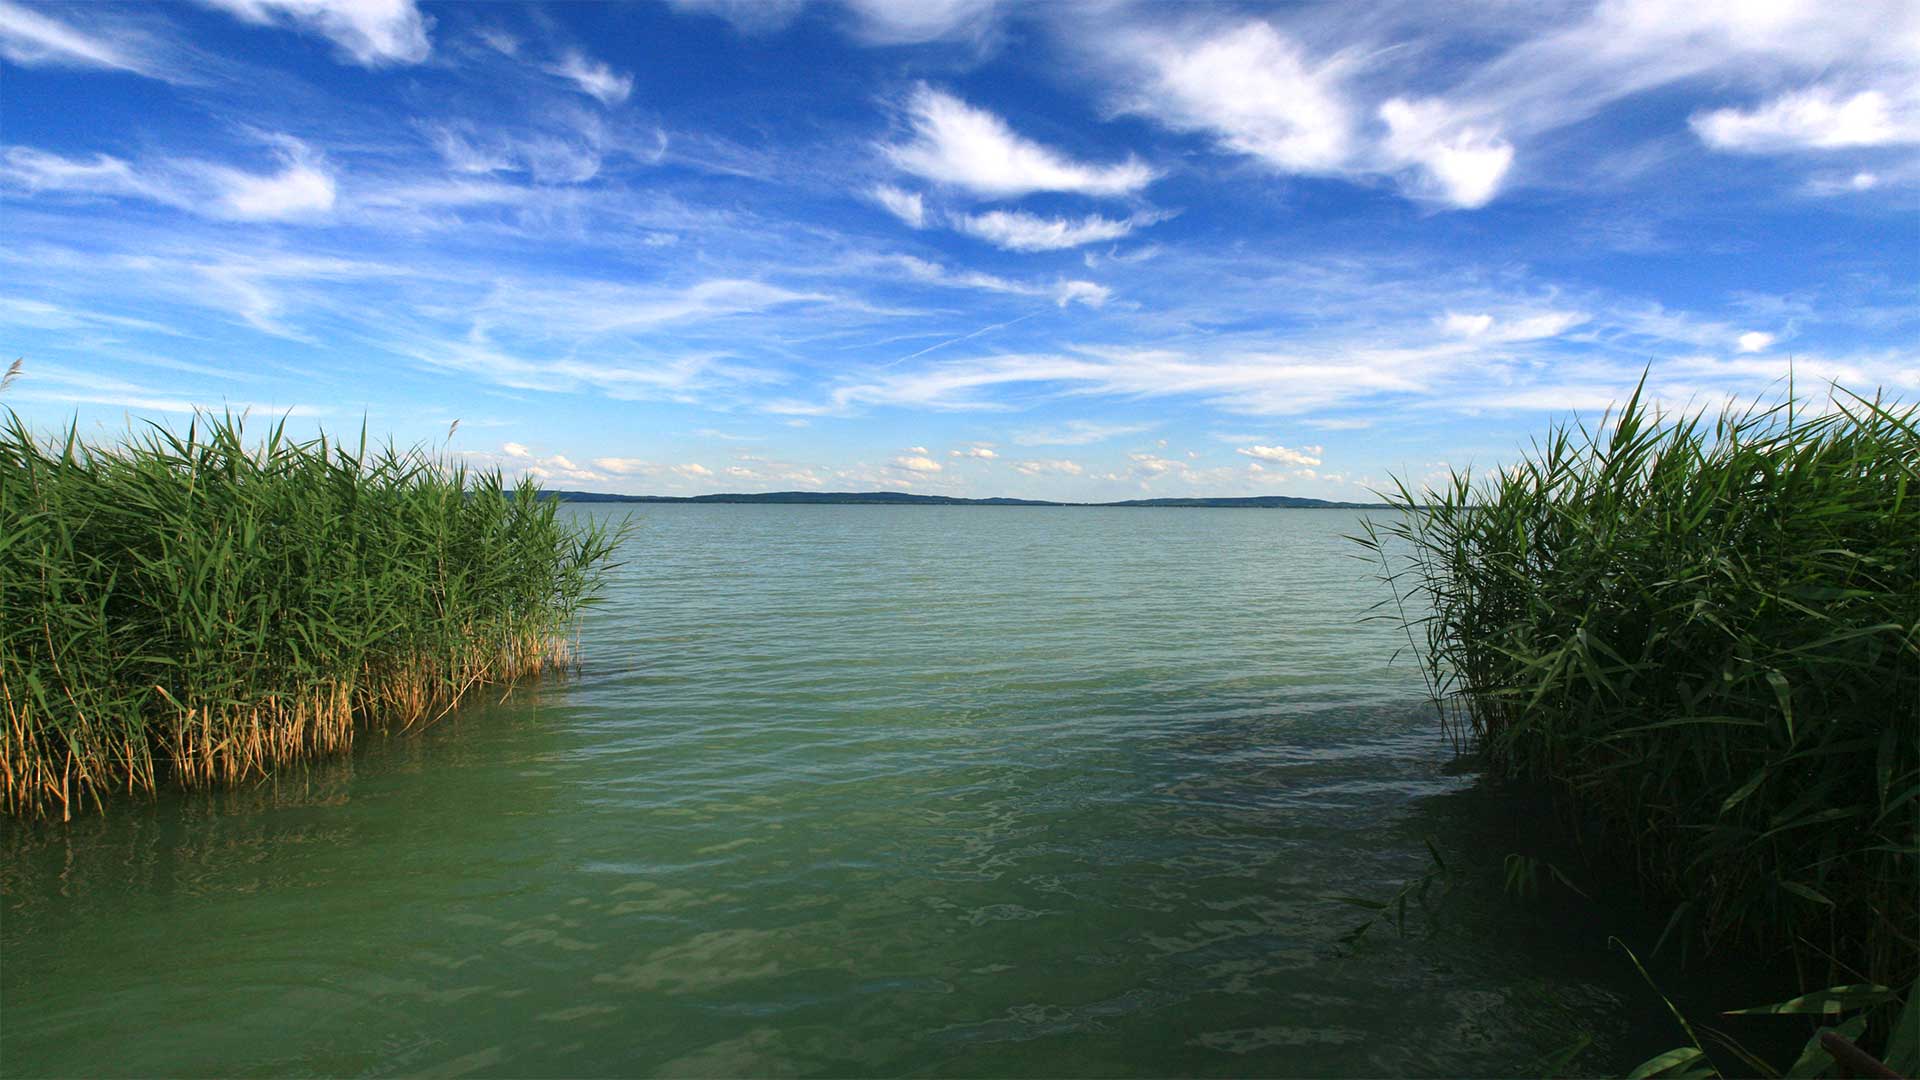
x: 1060, y: 250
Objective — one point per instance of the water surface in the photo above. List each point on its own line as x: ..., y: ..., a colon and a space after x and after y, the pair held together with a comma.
x: 850, y: 791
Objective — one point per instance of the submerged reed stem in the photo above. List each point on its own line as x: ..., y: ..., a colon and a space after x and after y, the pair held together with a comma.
x: 1705, y: 634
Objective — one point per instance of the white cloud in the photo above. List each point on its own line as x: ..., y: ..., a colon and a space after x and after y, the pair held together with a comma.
x: 499, y: 40
x: 1078, y: 433
x: 600, y: 307
x: 301, y: 188
x: 908, y: 206
x: 1547, y: 324
x: 20, y: 312
x: 624, y: 466
x: 693, y: 469
x: 33, y: 39
x: 1250, y: 382
x: 908, y: 22
x: 548, y: 470
x: 373, y: 33
x: 1062, y: 292
x: 1626, y: 47
x: 1141, y: 254
x: 1319, y: 91
x: 919, y: 450
x: 1485, y: 328
x: 1018, y: 231
x: 1817, y: 118
x: 463, y: 155
x: 1456, y: 163
x: 1248, y: 86
x: 1467, y: 325
x: 1060, y: 466
x: 1084, y: 292
x: 49, y: 382
x: 1255, y: 90
x: 1284, y: 455
x: 562, y: 146
x: 594, y: 78
x: 1154, y: 464
x: 1828, y: 185
x: 872, y: 22
x: 747, y: 16
x: 918, y: 463
x: 37, y: 170
x: 980, y: 452
x: 515, y: 450
x: 1755, y: 341
x: 961, y: 146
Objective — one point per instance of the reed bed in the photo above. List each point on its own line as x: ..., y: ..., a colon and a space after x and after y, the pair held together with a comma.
x: 190, y: 607
x: 1704, y: 633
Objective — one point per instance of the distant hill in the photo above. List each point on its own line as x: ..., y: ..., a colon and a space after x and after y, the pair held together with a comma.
x: 901, y: 498
x: 1253, y: 502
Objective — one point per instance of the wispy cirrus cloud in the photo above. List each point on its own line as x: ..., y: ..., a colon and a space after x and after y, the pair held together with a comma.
x: 1014, y: 230
x: 35, y: 38
x: 370, y: 33
x: 1063, y: 292
x: 302, y: 187
x: 499, y: 224
x: 595, y: 78
x: 1529, y: 326
x: 1817, y: 118
x: 1258, y: 91
x: 1247, y: 85
x: 970, y: 149
x: 871, y: 22
x: 747, y: 16
x: 1313, y: 93
x: 55, y: 383
x: 559, y: 145
x: 1078, y: 433
x: 909, y: 206
x: 910, y: 22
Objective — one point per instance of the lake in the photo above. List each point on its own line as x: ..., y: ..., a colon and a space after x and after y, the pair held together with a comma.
x: 846, y: 790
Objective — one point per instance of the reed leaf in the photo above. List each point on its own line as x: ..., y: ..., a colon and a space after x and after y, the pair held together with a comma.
x: 195, y: 607
x: 1704, y: 633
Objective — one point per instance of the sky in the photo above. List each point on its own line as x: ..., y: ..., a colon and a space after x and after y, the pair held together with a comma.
x: 1059, y: 250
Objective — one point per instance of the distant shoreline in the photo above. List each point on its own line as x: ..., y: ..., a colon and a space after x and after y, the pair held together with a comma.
x: 899, y: 498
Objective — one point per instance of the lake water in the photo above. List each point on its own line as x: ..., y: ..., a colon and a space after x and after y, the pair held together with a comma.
x: 853, y: 791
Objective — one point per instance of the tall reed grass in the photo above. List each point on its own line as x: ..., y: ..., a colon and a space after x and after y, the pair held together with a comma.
x: 1705, y: 634
x: 195, y: 607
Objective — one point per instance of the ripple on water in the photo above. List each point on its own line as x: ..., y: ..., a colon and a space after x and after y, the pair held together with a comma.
x: 842, y: 791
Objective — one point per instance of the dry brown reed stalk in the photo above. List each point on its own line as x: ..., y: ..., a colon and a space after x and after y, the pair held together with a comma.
x: 195, y: 607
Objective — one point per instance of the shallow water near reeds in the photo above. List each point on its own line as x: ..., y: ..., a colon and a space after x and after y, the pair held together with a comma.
x: 855, y: 791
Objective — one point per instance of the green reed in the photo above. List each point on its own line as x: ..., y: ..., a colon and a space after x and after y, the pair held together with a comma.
x: 195, y: 607
x: 1705, y: 634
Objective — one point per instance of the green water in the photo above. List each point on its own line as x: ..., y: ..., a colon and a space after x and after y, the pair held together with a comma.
x: 851, y: 790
